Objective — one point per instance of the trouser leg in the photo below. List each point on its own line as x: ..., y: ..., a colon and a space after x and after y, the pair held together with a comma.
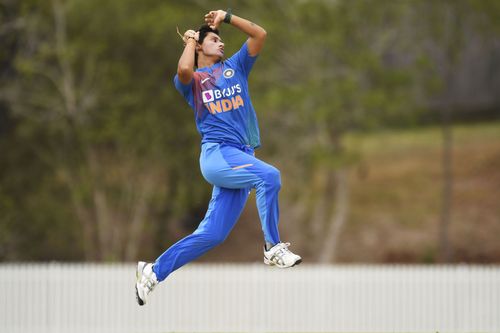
x: 234, y: 168
x: 223, y: 211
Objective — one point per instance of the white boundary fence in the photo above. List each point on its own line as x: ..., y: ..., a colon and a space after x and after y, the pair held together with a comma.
x: 88, y: 298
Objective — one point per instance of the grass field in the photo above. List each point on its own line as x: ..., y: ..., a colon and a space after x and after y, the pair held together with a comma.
x: 397, y: 189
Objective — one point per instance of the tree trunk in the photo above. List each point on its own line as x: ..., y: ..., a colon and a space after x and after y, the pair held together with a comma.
x: 67, y: 87
x: 320, y: 205
x: 90, y: 250
x: 452, y: 55
x: 338, y: 219
x: 139, y: 215
x: 447, y: 164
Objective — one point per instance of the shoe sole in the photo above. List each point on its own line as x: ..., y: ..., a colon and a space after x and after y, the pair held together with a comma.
x: 139, y: 300
x: 138, y: 276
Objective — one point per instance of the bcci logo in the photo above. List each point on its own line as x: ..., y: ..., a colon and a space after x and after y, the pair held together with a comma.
x: 208, y: 96
x: 229, y: 73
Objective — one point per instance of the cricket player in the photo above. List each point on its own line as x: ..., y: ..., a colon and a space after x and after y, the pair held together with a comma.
x: 217, y: 91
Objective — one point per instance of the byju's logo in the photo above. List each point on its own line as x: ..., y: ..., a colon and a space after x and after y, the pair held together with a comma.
x: 229, y: 73
x: 208, y: 96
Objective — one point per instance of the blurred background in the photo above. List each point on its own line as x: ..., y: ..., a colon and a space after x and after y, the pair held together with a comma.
x: 383, y: 117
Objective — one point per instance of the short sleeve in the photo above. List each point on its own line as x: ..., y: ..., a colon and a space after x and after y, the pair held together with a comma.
x: 243, y: 59
x: 184, y: 89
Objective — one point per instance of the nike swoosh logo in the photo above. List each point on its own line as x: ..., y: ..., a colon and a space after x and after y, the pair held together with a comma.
x: 205, y: 80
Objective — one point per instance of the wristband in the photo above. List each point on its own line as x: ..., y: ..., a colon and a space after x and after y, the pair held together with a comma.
x: 227, y: 18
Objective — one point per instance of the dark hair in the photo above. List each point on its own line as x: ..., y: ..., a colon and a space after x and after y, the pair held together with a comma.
x: 203, y: 30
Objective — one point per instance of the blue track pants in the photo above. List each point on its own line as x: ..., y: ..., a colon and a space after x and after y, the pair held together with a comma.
x: 233, y: 171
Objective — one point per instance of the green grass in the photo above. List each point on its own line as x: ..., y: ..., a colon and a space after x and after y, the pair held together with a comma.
x: 430, y: 138
x: 396, y: 191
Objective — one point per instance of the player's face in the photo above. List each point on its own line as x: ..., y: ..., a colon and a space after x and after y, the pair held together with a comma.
x: 213, y: 45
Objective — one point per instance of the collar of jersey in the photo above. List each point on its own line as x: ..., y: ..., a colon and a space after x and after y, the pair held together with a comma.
x: 210, y: 68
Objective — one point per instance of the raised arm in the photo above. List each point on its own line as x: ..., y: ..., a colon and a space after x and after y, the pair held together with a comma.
x: 256, y: 34
x: 185, y: 68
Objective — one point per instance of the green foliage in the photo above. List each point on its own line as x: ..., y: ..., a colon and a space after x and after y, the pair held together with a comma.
x: 94, y: 136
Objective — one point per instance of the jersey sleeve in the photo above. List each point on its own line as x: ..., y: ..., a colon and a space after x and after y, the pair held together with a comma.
x: 186, y: 90
x: 243, y: 59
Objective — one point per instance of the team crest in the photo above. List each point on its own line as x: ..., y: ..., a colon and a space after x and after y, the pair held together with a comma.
x: 208, y: 96
x: 228, y: 73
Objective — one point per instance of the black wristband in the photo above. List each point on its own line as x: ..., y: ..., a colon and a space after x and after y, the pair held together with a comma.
x: 227, y: 18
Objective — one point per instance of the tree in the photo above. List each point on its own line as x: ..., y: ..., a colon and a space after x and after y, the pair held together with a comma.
x: 335, y: 79
x: 97, y: 94
x: 443, y: 28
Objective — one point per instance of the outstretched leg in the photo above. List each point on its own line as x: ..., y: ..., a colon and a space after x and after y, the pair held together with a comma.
x: 223, y: 211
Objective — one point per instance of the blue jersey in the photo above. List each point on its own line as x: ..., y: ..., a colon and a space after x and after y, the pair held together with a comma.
x: 221, y: 102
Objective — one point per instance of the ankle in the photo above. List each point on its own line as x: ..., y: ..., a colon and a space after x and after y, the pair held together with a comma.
x: 268, y: 246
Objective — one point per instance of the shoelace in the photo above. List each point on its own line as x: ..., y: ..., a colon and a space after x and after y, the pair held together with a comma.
x: 150, y: 284
x: 282, y: 250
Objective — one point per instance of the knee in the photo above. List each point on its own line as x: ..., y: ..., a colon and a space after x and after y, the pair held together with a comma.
x: 273, y: 178
x: 217, y: 239
x: 213, y: 239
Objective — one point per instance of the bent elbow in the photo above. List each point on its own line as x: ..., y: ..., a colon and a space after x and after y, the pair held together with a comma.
x: 185, y: 76
x: 263, y: 34
x: 184, y: 70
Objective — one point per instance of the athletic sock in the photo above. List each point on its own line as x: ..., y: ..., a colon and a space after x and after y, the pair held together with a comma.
x: 268, y: 246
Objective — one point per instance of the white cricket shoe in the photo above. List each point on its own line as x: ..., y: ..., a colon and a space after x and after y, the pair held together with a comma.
x: 279, y: 255
x: 146, y: 281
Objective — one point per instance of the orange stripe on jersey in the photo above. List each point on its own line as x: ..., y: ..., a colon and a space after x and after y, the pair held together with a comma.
x: 241, y: 166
